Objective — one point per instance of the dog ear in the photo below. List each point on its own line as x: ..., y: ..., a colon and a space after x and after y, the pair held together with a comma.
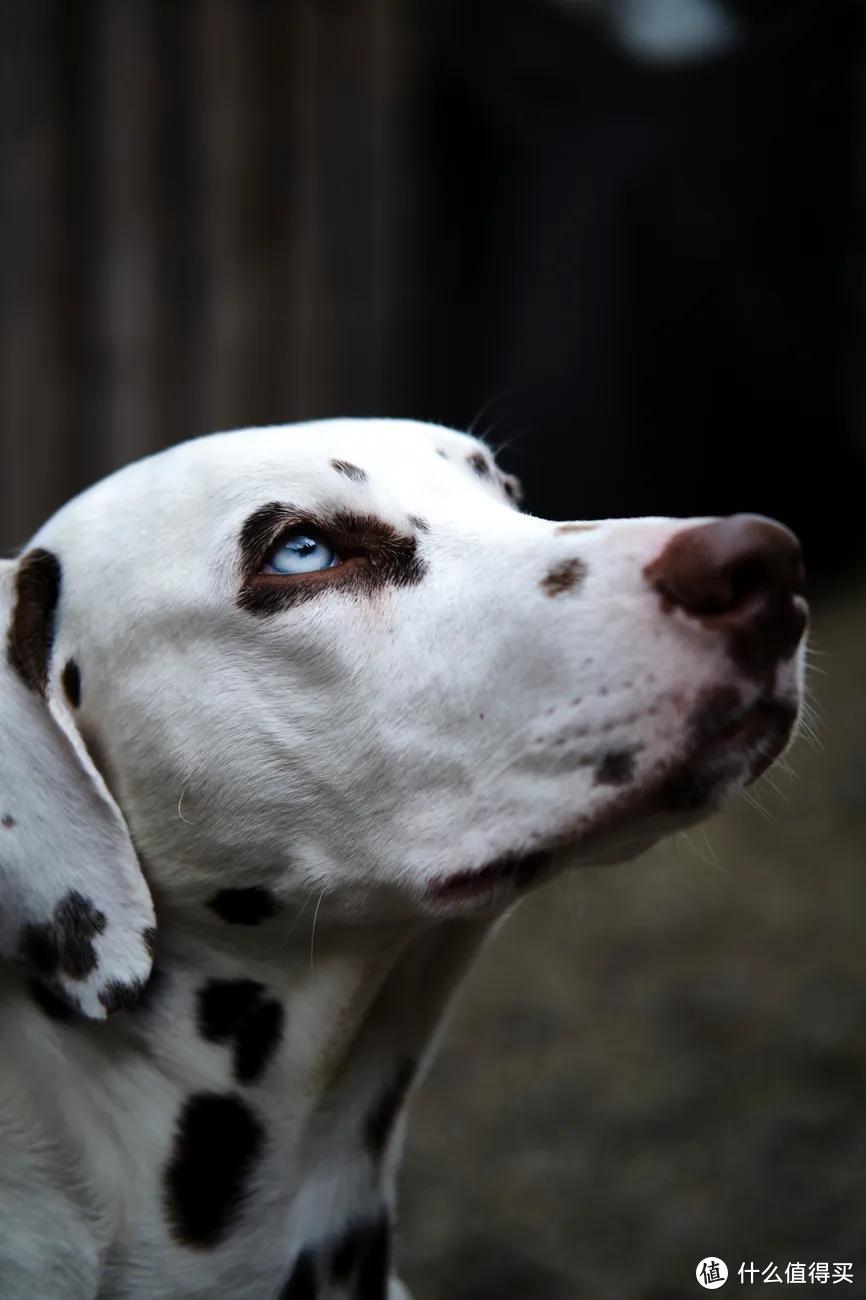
x: 73, y: 901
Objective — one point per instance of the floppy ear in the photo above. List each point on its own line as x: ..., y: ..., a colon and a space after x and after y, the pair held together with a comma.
x: 73, y: 901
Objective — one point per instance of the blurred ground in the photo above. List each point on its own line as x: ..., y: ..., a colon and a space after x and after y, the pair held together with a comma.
x: 659, y: 1061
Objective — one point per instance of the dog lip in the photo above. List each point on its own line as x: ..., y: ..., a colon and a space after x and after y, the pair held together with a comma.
x: 514, y: 871
x: 770, y: 723
x: 764, y: 727
x: 767, y: 718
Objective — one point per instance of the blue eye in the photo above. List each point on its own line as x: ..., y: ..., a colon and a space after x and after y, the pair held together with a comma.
x: 300, y: 553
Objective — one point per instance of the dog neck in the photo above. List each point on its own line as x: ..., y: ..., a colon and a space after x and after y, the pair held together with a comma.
x: 336, y: 994
x: 248, y: 1112
x: 318, y: 1033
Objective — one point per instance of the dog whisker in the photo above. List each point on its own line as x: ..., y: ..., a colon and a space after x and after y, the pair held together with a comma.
x: 313, y: 930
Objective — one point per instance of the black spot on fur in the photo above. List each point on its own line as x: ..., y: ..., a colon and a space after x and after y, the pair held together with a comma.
x: 115, y: 995
x: 616, y: 768
x: 354, y: 472
x: 237, y: 1011
x: 479, y: 464
x: 51, y: 1002
x: 419, y: 524
x: 440, y: 452
x: 372, y: 1279
x: 38, y: 945
x: 244, y: 906
x: 346, y: 1253
x: 257, y: 1040
x: 302, y: 1282
x: 31, y: 632
x: 382, y: 1117
x: 224, y: 1004
x: 65, y: 943
x: 218, y: 1142
x: 71, y: 681
x: 7, y: 821
x: 563, y: 577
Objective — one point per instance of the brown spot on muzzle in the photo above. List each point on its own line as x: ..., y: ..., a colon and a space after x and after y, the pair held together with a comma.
x: 685, y: 789
x: 616, y: 768
x: 565, y: 576
x: 718, y: 718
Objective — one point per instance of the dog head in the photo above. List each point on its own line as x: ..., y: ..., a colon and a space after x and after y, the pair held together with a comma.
x: 335, y: 658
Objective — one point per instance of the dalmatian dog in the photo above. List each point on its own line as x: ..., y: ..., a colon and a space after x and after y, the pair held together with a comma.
x: 291, y: 716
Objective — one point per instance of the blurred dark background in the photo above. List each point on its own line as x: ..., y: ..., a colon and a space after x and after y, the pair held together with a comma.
x: 624, y: 236
x: 624, y: 240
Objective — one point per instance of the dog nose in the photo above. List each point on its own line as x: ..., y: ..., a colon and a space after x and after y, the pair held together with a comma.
x: 720, y: 567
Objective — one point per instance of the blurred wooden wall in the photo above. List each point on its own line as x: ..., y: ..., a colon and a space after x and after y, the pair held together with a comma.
x: 214, y: 212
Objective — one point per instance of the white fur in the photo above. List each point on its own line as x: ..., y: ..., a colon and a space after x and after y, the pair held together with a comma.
x: 346, y: 753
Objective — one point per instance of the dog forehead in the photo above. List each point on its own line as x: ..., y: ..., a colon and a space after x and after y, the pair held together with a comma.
x: 395, y: 451
x: 205, y: 487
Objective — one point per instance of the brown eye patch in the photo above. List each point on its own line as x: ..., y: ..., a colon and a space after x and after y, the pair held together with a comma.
x: 373, y: 555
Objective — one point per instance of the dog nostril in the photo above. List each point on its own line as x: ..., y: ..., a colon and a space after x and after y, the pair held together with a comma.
x: 717, y: 568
